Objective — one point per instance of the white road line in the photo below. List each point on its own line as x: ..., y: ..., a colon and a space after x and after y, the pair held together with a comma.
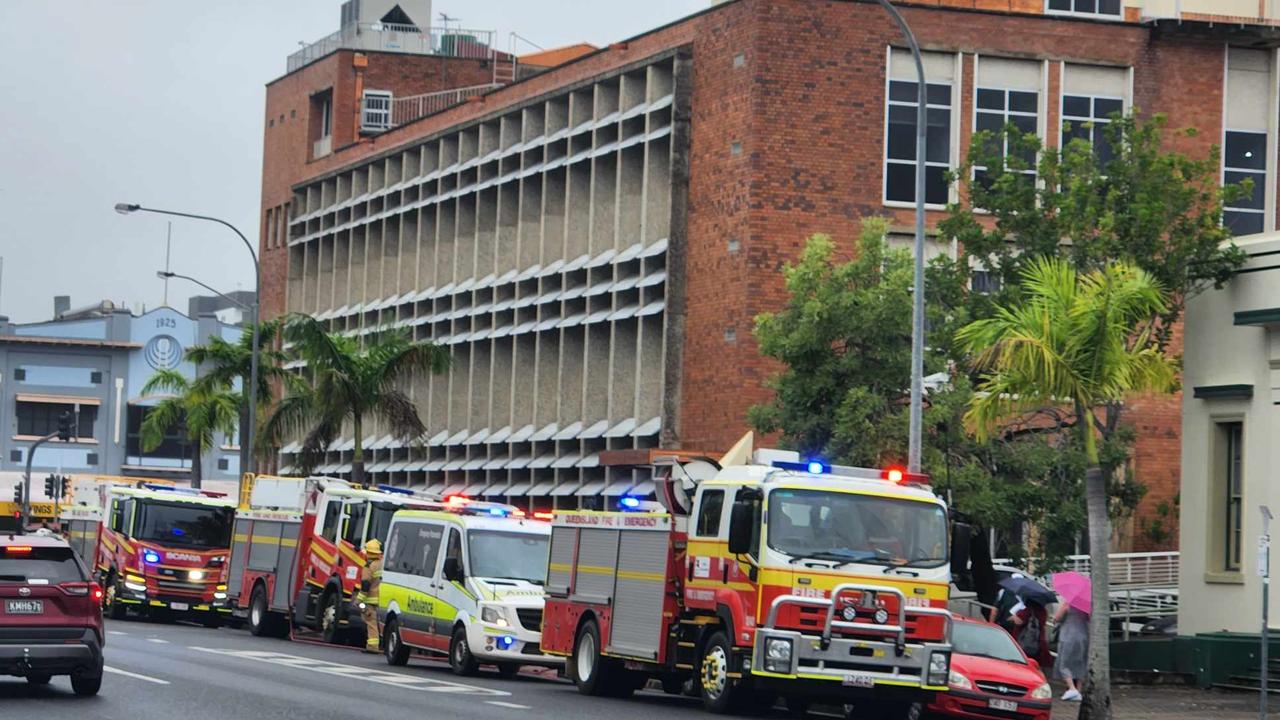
x: 135, y: 676
x: 355, y: 672
x: 158, y: 641
x: 115, y: 632
x: 513, y: 706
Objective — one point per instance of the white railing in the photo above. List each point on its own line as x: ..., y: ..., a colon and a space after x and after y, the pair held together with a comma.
x: 408, y: 109
x: 1159, y: 569
x: 450, y: 42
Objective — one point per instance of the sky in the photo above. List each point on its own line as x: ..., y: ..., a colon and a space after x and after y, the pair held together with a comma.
x: 160, y: 103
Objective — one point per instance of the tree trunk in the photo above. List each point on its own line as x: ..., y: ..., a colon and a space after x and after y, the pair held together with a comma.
x: 244, y: 435
x: 357, y: 454
x: 197, y: 472
x: 1097, y: 685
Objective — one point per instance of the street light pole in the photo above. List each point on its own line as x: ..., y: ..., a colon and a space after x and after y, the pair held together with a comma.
x: 252, y: 390
x: 165, y: 275
x: 1264, y: 571
x: 917, y: 306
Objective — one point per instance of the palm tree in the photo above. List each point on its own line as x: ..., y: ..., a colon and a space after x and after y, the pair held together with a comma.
x: 222, y: 364
x: 351, y: 381
x: 202, y: 409
x: 1085, y: 341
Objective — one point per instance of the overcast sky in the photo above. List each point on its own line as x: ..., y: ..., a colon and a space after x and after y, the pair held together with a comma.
x: 159, y: 102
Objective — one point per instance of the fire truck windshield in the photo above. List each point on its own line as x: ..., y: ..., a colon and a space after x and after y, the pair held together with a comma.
x: 844, y: 527
x: 508, y: 555
x: 187, y: 525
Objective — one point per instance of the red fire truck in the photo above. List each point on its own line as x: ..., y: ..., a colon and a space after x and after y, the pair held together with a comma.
x: 759, y: 576
x: 161, y: 550
x: 296, y: 551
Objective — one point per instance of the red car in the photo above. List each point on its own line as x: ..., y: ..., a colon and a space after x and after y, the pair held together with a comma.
x: 991, y: 677
x: 50, y: 613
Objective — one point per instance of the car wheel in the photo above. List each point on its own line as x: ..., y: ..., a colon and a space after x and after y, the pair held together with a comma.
x: 720, y: 693
x: 330, y: 614
x: 39, y: 679
x: 461, y: 661
x: 396, y: 651
x: 85, y: 685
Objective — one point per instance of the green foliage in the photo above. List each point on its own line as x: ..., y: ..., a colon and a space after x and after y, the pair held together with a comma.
x: 348, y: 380
x: 202, y: 410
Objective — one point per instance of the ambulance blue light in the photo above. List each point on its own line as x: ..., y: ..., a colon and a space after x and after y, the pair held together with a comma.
x: 630, y: 503
x: 505, y: 642
x: 816, y: 467
x: 151, y: 556
x: 497, y: 512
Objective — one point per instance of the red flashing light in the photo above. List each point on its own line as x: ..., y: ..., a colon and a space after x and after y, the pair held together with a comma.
x: 543, y: 516
x: 456, y: 501
x: 18, y: 550
x: 899, y: 476
x: 894, y: 475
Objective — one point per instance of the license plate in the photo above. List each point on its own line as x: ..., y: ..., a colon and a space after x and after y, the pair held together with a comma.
x: 859, y: 681
x: 180, y: 606
x: 24, y: 607
x: 998, y: 704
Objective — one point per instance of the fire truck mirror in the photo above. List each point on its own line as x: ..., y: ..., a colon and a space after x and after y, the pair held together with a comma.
x: 961, y: 534
x: 741, y: 526
x: 453, y: 570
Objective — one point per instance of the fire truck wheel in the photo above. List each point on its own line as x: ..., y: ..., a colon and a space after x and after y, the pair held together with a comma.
x: 589, y: 670
x: 721, y: 694
x: 330, y: 615
x: 461, y: 661
x: 797, y: 706
x: 396, y: 651
x: 259, y: 615
x: 507, y: 671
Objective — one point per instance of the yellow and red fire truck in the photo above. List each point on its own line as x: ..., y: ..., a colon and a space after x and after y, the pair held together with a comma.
x: 296, y: 552
x: 159, y: 550
x: 760, y: 575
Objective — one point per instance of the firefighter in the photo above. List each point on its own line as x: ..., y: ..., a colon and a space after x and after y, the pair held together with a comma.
x: 370, y: 580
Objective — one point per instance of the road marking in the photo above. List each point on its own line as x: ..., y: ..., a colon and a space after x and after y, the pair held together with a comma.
x: 115, y: 632
x: 135, y: 676
x: 513, y: 706
x: 355, y: 672
x: 158, y: 641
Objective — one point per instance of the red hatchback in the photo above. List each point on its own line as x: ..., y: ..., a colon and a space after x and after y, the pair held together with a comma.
x: 50, y: 613
x: 991, y: 677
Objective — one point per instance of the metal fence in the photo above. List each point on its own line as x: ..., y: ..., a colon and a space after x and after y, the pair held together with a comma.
x: 1127, y: 569
x: 449, y: 42
x: 408, y: 109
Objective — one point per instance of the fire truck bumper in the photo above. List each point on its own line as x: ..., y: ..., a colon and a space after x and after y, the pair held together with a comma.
x: 499, y: 644
x: 847, y: 668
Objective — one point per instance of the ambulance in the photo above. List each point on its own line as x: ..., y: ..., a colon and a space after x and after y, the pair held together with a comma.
x: 465, y: 582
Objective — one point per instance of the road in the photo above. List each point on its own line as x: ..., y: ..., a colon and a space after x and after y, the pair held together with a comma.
x: 190, y: 673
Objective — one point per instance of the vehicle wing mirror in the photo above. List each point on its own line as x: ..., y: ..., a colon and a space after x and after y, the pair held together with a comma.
x: 741, y: 520
x: 961, y: 534
x: 453, y: 570
x: 1035, y: 664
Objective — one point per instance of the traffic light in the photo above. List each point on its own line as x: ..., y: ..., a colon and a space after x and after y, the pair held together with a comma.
x: 64, y: 426
x: 17, y: 493
x: 53, y: 487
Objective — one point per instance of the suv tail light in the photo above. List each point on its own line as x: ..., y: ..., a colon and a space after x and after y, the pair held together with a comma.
x: 82, y: 590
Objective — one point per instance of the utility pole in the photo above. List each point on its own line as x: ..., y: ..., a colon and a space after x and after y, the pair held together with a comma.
x: 1264, y: 571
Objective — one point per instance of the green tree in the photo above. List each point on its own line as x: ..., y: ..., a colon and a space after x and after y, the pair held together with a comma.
x: 1084, y: 341
x: 348, y: 380
x: 202, y: 410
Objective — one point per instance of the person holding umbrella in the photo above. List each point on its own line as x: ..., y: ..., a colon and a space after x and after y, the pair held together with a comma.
x: 1072, y: 619
x: 1030, y: 617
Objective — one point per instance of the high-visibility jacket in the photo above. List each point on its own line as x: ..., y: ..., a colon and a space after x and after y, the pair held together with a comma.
x: 371, y: 574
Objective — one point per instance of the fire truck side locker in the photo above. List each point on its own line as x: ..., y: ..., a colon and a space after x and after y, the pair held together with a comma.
x: 265, y: 549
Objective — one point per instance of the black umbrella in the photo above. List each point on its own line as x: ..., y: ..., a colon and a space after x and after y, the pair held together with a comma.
x: 1029, y: 590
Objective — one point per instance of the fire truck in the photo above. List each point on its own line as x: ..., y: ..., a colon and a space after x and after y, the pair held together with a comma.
x: 296, y: 551
x: 759, y: 576
x: 160, y: 550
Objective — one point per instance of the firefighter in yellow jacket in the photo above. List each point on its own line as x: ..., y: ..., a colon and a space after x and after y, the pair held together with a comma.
x: 370, y: 581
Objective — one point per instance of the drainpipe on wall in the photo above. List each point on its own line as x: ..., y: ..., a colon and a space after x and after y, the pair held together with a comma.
x: 359, y: 62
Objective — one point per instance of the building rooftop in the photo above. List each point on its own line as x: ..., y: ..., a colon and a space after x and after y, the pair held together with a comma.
x: 557, y: 56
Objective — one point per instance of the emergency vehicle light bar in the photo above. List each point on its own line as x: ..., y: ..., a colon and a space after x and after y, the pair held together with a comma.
x: 895, y: 475
x: 395, y: 490
x: 184, y: 490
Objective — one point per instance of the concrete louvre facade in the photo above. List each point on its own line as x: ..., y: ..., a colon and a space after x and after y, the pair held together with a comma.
x: 565, y: 195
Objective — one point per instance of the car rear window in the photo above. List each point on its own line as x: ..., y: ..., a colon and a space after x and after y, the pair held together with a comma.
x: 39, y: 566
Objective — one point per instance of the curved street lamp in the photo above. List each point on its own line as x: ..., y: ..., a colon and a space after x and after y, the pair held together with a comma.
x: 252, y: 391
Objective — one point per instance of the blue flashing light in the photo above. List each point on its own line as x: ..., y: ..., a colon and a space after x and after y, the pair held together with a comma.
x: 151, y: 556
x: 505, y: 642
x: 630, y: 503
x: 396, y: 490
x: 497, y: 512
x: 179, y: 532
x: 816, y: 467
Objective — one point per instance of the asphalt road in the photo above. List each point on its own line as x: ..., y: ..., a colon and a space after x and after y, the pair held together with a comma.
x: 182, y: 672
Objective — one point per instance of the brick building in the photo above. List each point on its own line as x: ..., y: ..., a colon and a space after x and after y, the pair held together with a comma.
x: 594, y: 241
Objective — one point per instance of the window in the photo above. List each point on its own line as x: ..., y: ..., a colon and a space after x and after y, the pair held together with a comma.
x: 454, y: 550
x: 1245, y: 158
x: 509, y: 555
x: 1086, y: 7
x: 20, y: 374
x: 329, y: 526
x: 998, y: 107
x: 375, y: 110
x: 223, y: 463
x: 326, y: 116
x: 174, y: 449
x: 1230, y: 472
x: 41, y: 418
x: 900, y: 118
x: 1086, y: 117
x: 184, y: 525
x: 709, y: 513
x: 42, y: 566
x: 985, y: 282
x: 353, y: 531
x: 413, y: 549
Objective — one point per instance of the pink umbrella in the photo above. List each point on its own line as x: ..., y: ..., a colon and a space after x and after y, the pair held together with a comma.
x: 1075, y: 590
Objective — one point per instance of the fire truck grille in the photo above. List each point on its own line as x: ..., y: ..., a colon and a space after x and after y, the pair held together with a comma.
x: 530, y: 618
x: 176, y: 586
x: 531, y: 649
x: 1002, y: 689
